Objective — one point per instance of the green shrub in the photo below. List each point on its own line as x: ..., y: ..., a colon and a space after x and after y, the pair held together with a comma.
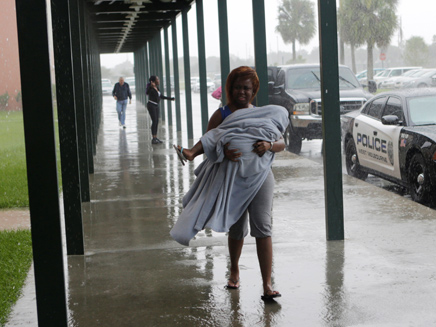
x: 18, y: 97
x: 4, y: 99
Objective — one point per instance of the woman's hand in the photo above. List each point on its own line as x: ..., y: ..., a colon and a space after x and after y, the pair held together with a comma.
x: 232, y: 155
x: 260, y: 147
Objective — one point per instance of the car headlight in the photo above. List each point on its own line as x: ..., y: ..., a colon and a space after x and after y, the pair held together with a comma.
x: 301, y: 109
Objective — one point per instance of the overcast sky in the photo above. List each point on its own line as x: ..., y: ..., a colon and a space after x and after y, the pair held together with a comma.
x: 417, y: 20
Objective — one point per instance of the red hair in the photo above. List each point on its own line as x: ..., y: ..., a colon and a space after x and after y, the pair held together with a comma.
x: 243, y: 72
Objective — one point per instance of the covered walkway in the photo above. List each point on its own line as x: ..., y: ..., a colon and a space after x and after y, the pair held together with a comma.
x: 122, y: 267
x: 134, y: 274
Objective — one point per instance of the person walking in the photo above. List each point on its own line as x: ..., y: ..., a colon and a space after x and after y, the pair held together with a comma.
x: 154, y: 97
x: 241, y: 87
x: 120, y: 93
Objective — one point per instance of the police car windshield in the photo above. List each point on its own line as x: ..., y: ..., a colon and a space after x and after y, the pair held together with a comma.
x: 422, y: 110
x: 309, y: 78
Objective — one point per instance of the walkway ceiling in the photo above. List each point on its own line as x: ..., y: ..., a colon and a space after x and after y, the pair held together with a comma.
x: 125, y: 25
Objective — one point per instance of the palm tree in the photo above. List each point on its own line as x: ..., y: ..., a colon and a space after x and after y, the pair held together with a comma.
x: 296, y: 22
x: 349, y: 30
x: 376, y: 22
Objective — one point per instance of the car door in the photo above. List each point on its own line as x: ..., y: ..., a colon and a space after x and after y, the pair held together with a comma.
x: 390, y: 135
x: 370, y: 149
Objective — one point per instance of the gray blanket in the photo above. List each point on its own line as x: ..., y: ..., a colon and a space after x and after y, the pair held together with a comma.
x: 223, y: 189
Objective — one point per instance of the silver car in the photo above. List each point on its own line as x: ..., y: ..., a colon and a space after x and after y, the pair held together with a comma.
x: 425, y: 80
x: 393, y: 81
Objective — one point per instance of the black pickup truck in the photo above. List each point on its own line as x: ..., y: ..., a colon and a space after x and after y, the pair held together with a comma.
x: 298, y: 89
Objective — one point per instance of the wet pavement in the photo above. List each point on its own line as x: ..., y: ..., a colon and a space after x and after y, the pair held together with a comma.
x: 134, y: 274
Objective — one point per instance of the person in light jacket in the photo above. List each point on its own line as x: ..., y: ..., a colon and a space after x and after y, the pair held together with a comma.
x: 120, y: 93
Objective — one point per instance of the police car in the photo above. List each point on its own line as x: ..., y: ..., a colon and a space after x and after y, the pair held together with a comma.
x: 393, y: 136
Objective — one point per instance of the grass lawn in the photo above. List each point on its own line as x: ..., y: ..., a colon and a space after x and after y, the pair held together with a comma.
x: 15, y: 260
x: 13, y: 176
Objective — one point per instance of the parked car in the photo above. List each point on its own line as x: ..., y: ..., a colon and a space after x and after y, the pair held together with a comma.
x: 106, y: 86
x: 424, y: 80
x: 393, y: 136
x: 362, y: 76
x: 391, y: 72
x: 404, y: 78
x: 298, y: 89
x: 391, y: 83
x: 210, y: 85
x: 131, y: 82
x: 194, y: 82
x: 217, y: 80
x: 163, y: 84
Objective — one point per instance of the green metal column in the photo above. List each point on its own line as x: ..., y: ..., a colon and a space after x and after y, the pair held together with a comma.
x: 176, y: 75
x: 135, y: 69
x: 152, y: 56
x: 79, y: 99
x: 202, y: 66
x: 160, y: 72
x: 67, y: 127
x: 168, y: 76
x: 143, y: 75
x: 187, y: 66
x: 38, y: 118
x: 260, y: 56
x: 224, y: 45
x: 331, y: 126
x: 147, y: 66
x: 86, y: 88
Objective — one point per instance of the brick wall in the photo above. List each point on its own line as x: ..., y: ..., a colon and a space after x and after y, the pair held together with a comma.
x: 9, y: 61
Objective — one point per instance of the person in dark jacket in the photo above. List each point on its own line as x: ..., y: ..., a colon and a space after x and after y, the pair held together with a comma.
x: 154, y: 97
x: 120, y: 93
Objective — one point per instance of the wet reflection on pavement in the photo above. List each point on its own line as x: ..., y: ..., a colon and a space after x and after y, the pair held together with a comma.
x: 134, y: 274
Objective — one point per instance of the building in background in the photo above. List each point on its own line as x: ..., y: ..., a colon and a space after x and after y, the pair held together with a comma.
x: 10, y: 85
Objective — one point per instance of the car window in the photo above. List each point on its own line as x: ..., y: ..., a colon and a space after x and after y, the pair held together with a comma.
x: 394, y: 107
x: 281, y: 78
x: 310, y: 78
x: 421, y: 110
x: 375, y: 108
x: 270, y: 75
x: 396, y: 72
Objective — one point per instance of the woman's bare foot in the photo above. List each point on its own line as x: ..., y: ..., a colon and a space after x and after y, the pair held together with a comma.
x: 269, y: 293
x: 232, y: 283
x: 187, y: 153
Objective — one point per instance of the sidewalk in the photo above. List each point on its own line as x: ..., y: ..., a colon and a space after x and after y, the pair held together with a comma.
x: 134, y: 274
x: 18, y: 218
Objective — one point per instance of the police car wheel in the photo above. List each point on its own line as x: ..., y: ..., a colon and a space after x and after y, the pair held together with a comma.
x: 352, y: 161
x: 419, y: 183
x: 293, y: 141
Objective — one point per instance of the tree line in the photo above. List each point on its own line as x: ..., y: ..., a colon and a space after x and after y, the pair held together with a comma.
x: 370, y: 23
